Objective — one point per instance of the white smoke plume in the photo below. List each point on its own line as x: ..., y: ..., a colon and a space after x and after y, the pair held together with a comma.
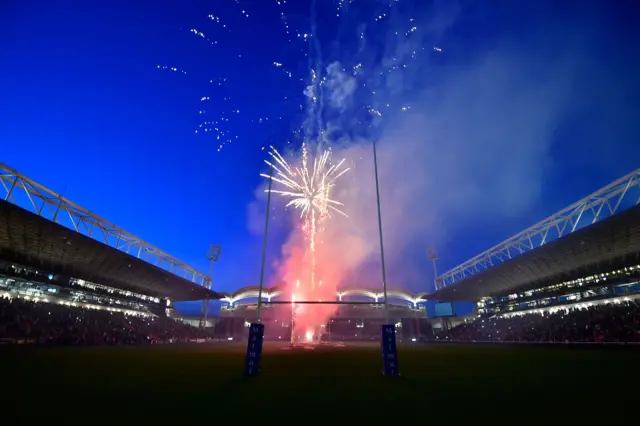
x: 475, y: 144
x: 341, y: 86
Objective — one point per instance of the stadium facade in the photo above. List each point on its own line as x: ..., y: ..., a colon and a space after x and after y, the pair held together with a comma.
x: 54, y: 251
x: 360, y: 320
x: 585, y: 255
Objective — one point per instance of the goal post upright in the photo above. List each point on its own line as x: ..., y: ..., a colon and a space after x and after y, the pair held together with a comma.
x: 256, y: 330
x: 387, y: 331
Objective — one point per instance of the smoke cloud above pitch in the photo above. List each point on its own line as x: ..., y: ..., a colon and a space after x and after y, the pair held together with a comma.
x: 466, y: 132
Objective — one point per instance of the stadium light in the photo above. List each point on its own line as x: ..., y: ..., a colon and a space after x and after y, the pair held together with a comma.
x: 213, y: 255
x: 214, y: 252
x: 433, y: 256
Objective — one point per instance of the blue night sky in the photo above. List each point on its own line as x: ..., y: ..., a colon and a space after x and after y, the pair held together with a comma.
x: 523, y: 108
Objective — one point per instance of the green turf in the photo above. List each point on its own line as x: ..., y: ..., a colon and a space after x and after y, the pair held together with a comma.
x: 177, y: 383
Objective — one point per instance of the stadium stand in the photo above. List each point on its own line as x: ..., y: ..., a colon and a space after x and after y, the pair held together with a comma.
x: 85, y: 281
x: 597, y: 234
x: 573, y: 277
x: 38, y: 322
x: 614, y: 321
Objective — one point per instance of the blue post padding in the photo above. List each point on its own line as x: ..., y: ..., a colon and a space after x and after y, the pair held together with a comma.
x: 389, y: 350
x: 254, y: 350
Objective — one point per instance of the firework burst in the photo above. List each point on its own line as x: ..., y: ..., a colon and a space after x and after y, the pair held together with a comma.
x: 309, y: 188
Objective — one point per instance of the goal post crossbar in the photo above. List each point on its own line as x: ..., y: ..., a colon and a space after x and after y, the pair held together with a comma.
x: 319, y: 302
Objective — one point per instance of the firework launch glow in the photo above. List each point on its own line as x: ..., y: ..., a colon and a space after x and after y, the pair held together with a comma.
x: 309, y: 187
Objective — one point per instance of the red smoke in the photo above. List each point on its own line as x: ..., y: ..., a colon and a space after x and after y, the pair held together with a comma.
x: 299, y: 285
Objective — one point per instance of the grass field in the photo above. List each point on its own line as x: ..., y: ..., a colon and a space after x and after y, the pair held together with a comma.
x: 438, y: 383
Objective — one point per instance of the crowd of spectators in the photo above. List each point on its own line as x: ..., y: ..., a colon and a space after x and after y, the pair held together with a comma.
x: 50, y: 323
x: 612, y: 322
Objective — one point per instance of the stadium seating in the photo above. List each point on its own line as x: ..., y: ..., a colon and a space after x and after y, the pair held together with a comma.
x: 28, y: 321
x: 611, y: 322
x: 50, y: 323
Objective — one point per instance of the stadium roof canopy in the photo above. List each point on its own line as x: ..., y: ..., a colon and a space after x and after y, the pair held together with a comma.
x: 42, y: 229
x: 247, y: 295
x: 597, y: 234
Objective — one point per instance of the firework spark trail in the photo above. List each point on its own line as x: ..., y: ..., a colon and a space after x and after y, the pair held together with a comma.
x: 219, y: 120
x: 309, y: 187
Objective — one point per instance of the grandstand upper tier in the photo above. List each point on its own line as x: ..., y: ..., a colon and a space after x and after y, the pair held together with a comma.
x: 42, y: 229
x: 597, y: 234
